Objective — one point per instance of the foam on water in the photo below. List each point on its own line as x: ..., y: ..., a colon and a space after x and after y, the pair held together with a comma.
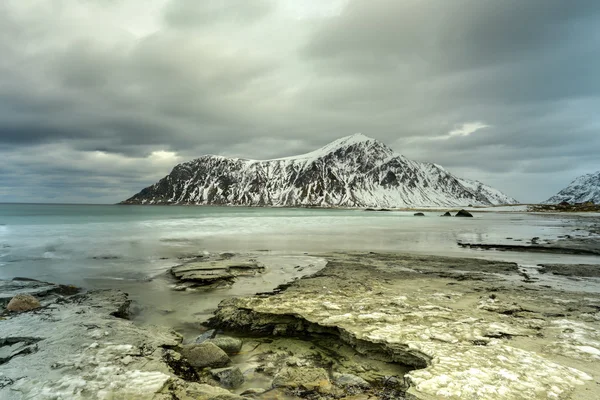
x: 77, y: 243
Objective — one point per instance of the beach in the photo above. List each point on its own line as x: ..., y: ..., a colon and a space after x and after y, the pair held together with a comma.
x: 323, y: 304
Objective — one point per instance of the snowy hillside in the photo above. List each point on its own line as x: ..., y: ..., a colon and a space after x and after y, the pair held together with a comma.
x: 354, y: 171
x: 584, y: 188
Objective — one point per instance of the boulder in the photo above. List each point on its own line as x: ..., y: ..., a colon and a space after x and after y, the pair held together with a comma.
x: 202, y: 391
x: 230, y: 377
x: 228, y: 344
x: 307, y: 378
x: 205, y: 355
x: 446, y: 214
x: 350, y: 381
x: 23, y: 302
x: 419, y: 214
x: 209, y: 334
x: 463, y: 213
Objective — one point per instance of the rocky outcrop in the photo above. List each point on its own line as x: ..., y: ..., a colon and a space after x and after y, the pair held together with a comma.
x: 464, y: 213
x: 354, y: 171
x: 214, y: 271
x: 76, y: 347
x: 455, y: 340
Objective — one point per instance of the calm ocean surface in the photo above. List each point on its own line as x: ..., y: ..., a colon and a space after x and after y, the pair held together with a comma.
x: 85, y: 244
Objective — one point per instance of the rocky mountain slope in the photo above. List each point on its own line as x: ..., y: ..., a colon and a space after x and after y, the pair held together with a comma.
x: 354, y: 171
x: 582, y: 189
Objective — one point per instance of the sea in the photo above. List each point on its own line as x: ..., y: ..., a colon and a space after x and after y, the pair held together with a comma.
x: 128, y: 247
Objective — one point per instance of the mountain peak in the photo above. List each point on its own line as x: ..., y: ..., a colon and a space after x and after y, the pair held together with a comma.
x: 582, y: 189
x: 346, y: 141
x: 357, y: 138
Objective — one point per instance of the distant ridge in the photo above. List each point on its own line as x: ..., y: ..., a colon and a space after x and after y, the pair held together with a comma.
x: 583, y: 189
x: 353, y: 171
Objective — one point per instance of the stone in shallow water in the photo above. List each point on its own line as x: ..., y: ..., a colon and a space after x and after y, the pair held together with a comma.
x: 200, y: 391
x: 23, y: 302
x: 228, y: 344
x: 463, y: 213
x: 230, y: 377
x: 205, y: 355
x: 350, y: 381
x: 209, y: 334
x: 303, y: 377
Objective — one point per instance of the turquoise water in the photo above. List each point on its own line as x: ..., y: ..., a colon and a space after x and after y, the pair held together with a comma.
x: 84, y: 244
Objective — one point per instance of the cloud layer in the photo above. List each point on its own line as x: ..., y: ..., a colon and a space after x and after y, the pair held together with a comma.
x: 100, y: 98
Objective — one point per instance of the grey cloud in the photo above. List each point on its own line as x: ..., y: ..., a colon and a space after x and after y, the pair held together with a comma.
x: 242, y: 78
x: 193, y: 13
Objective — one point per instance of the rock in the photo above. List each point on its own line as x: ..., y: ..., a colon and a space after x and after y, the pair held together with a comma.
x: 419, y: 214
x: 75, y: 341
x: 446, y: 214
x: 307, y: 378
x: 205, y: 355
x: 43, y: 291
x: 230, y: 377
x: 228, y: 344
x: 23, y: 302
x: 216, y: 270
x: 201, y: 391
x: 387, y: 310
x: 253, y: 391
x: 350, y: 381
x: 209, y: 334
x: 463, y: 213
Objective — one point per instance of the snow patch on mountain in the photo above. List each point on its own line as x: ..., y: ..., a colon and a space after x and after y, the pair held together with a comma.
x: 354, y: 171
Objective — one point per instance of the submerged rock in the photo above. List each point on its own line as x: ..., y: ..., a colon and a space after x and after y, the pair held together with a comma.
x: 209, y: 334
x: 350, y: 381
x: 463, y: 213
x: 230, y: 377
x: 419, y: 214
x: 205, y: 355
x: 200, y: 391
x: 307, y: 378
x: 228, y: 344
x: 23, y: 302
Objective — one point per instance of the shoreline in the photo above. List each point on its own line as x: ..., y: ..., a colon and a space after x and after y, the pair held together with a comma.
x: 418, y: 317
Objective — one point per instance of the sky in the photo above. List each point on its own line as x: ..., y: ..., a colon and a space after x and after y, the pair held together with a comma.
x: 100, y: 98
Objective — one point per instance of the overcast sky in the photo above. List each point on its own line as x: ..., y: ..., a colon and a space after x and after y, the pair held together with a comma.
x: 100, y: 98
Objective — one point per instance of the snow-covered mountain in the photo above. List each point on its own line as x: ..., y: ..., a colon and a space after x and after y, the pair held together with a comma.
x: 354, y: 171
x: 582, y: 189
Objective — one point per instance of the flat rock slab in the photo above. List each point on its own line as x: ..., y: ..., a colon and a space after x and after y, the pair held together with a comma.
x: 584, y: 270
x: 39, y: 289
x: 75, y: 348
x: 208, y: 271
x: 464, y: 339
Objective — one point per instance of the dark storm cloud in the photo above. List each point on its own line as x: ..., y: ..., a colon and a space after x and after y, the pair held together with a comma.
x: 115, y: 93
